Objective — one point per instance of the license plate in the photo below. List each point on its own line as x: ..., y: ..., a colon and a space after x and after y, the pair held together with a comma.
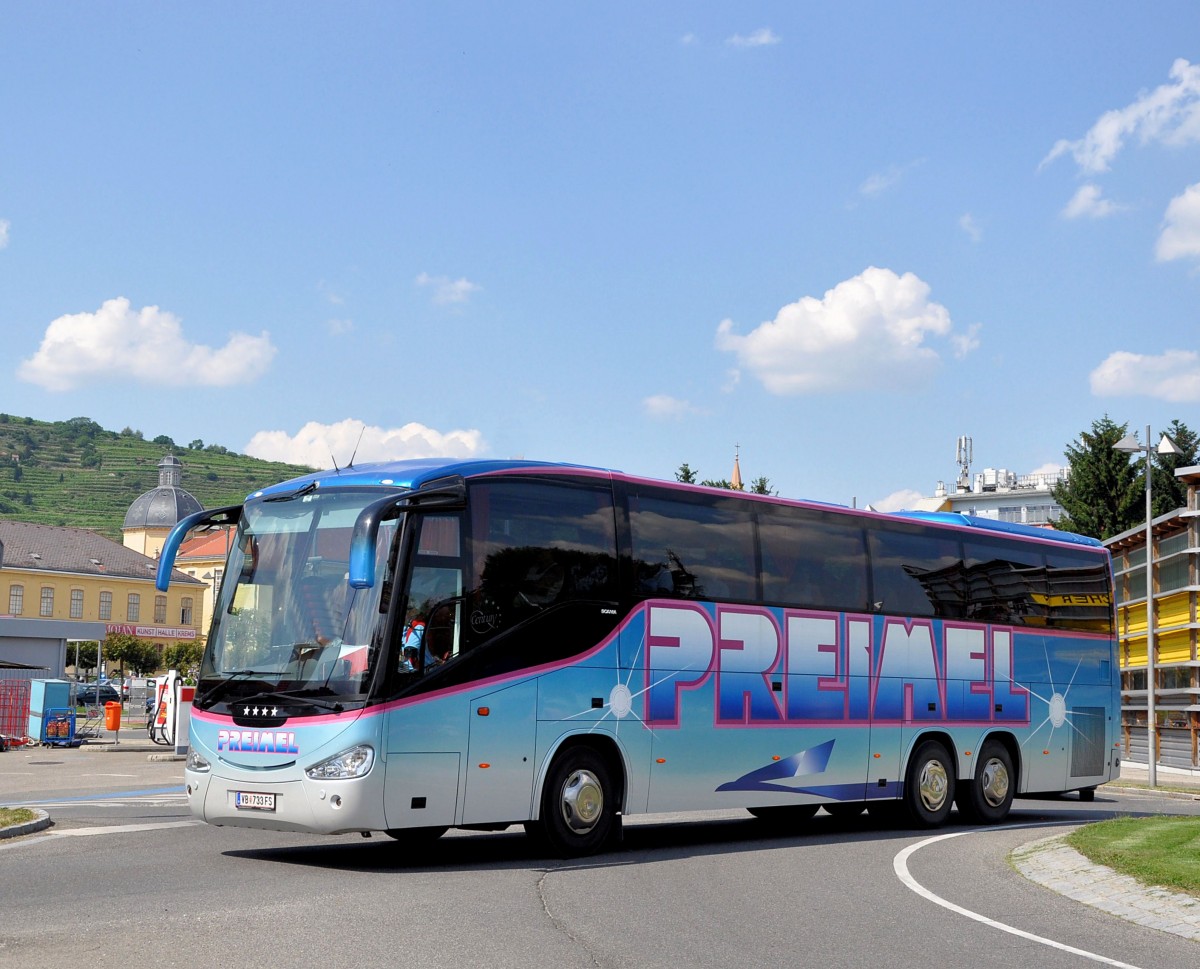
x: 252, y: 801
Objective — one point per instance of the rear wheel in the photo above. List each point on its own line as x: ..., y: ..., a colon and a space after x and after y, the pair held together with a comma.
x: 988, y: 796
x: 579, y: 804
x: 929, y: 785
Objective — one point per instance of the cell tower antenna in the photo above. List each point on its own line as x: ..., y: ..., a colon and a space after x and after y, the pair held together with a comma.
x: 964, y: 454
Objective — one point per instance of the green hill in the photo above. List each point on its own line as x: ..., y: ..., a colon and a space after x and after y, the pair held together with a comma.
x: 77, y: 473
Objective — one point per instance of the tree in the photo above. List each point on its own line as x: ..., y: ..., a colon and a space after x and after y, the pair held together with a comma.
x: 183, y: 656
x: 1167, y: 491
x: 130, y: 653
x: 1102, y: 494
x: 85, y: 661
x: 718, y: 483
x: 762, y: 486
x: 685, y: 474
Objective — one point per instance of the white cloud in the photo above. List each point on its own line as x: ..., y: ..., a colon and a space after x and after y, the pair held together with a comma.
x: 763, y: 37
x: 4, y: 224
x: 1181, y: 226
x: 668, y: 408
x: 688, y: 40
x: 1172, y: 376
x: 898, y: 501
x: 869, y: 332
x: 339, y: 327
x: 144, y: 346
x: 972, y: 228
x: 880, y: 182
x: 1170, y: 114
x: 1087, y: 202
x: 319, y: 445
x: 447, y: 290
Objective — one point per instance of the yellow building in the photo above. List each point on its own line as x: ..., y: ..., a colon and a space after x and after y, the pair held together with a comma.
x: 203, y: 557
x: 58, y: 583
x: 1175, y: 593
x: 63, y: 577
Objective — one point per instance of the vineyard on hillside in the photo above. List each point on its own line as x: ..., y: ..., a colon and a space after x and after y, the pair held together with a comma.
x: 79, y: 474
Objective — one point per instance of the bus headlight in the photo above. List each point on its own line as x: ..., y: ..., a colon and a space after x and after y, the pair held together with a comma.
x: 196, y: 763
x: 355, y: 762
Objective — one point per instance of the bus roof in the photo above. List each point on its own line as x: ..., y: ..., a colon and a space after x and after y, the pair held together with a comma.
x: 412, y: 474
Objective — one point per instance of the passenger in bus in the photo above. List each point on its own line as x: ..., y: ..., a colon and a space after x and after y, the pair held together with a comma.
x: 439, y: 637
x: 410, y: 647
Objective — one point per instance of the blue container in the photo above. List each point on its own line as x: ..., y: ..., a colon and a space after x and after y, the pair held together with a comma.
x: 46, y: 696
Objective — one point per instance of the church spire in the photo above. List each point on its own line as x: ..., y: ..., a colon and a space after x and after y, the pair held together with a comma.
x: 736, y: 480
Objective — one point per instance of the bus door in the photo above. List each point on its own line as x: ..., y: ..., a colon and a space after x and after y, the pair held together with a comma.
x: 500, y: 761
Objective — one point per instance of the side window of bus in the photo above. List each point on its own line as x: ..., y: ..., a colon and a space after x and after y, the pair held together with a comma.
x: 432, y: 633
x: 1006, y: 581
x: 700, y: 547
x: 813, y: 560
x: 1078, y: 593
x: 536, y: 545
x: 916, y: 572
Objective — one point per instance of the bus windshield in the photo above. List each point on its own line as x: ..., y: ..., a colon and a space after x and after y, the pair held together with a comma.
x: 288, y: 624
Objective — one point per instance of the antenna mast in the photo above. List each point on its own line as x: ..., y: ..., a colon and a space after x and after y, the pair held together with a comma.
x: 963, y: 456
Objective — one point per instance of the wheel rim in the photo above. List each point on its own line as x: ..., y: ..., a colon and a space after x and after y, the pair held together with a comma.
x: 582, y: 801
x: 995, y: 782
x: 934, y: 785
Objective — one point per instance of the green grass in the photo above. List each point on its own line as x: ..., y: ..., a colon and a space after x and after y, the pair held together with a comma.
x: 1163, y: 851
x: 77, y: 473
x: 11, y: 816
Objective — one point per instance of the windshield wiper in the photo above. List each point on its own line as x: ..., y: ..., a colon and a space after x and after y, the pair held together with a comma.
x: 296, y: 696
x: 220, y: 689
x: 307, y: 489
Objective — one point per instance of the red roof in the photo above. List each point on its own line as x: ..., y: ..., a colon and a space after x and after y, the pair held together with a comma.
x: 208, y: 545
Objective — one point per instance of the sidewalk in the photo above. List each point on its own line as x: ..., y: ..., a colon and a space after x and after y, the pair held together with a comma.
x: 1170, y: 780
x: 1055, y: 865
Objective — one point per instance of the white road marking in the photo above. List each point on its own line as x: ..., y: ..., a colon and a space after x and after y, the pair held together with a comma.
x: 89, y: 832
x: 900, y: 866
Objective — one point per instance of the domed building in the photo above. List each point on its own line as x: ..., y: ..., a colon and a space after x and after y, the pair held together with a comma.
x: 152, y: 515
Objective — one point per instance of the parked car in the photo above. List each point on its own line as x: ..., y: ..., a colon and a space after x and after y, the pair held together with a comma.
x: 97, y: 694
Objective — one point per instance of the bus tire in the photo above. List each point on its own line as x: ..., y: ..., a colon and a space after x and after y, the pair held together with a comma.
x: 1087, y: 794
x: 929, y: 785
x: 987, y: 797
x: 578, y: 804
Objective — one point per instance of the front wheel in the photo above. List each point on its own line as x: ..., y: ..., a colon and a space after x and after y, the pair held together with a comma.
x: 987, y: 797
x: 929, y: 785
x: 578, y: 804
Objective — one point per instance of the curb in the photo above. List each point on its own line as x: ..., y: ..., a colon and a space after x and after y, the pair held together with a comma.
x: 1053, y: 864
x: 1149, y: 792
x: 29, y: 827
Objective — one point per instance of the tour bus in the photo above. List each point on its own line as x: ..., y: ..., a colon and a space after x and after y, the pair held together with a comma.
x: 413, y: 646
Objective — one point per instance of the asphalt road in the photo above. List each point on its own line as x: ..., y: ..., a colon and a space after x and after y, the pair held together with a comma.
x: 125, y: 876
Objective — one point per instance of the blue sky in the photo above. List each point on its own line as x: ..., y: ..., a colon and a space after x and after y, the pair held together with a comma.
x: 837, y: 236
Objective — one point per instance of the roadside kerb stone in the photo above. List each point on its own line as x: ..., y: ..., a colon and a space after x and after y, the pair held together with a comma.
x: 29, y: 827
x: 1054, y: 864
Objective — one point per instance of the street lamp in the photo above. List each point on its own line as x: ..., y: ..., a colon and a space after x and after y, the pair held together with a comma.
x: 1130, y: 445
